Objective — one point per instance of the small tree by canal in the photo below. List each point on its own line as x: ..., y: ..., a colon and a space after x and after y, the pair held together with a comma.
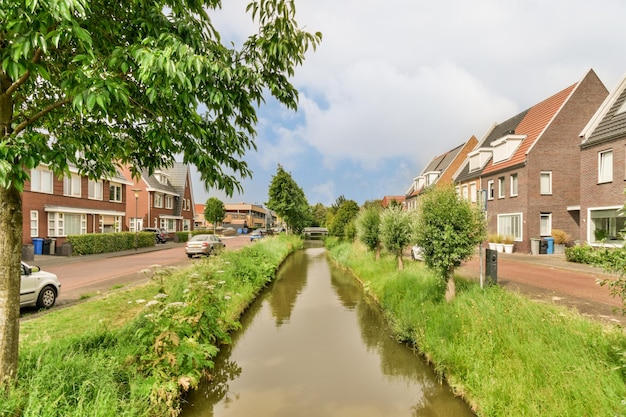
x: 396, y: 231
x: 448, y: 230
x: 368, y: 228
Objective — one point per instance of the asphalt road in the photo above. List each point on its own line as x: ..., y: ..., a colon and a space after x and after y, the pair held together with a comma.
x: 89, y: 275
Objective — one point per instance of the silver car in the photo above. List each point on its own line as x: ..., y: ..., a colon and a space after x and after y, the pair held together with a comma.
x: 203, y: 245
x: 38, y: 288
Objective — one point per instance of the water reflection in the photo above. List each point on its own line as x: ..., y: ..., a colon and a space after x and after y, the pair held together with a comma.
x: 307, y: 348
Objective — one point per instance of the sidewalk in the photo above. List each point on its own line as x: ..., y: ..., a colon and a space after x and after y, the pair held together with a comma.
x: 552, y: 279
x: 44, y: 261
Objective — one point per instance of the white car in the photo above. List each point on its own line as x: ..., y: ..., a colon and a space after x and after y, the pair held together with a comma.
x: 417, y: 253
x: 38, y: 288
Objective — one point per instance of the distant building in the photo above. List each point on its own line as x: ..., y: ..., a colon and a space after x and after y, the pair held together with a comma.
x: 389, y: 198
x: 248, y: 216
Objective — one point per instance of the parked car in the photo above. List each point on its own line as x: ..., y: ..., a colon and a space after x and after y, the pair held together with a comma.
x: 38, y: 288
x: 203, y: 245
x: 256, y: 235
x: 417, y: 253
x: 161, y: 234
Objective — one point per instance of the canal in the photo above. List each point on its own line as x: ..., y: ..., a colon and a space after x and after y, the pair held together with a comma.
x: 314, y: 345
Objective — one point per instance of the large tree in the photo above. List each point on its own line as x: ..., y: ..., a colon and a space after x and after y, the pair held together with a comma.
x: 214, y: 211
x: 448, y: 230
x: 345, y: 212
x: 287, y: 199
x: 97, y: 84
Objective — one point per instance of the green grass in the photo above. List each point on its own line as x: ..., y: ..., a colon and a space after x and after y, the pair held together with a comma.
x: 503, y: 353
x: 133, y: 352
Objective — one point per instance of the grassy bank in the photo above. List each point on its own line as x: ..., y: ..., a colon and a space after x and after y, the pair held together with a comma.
x: 506, y: 355
x: 132, y: 352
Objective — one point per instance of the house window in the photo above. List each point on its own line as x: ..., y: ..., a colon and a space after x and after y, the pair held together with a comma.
x: 110, y: 224
x: 465, y: 192
x: 95, y: 190
x: 168, y: 224
x: 514, y: 185
x: 473, y: 194
x: 34, y: 223
x: 186, y: 225
x: 545, y: 183
x: 490, y: 190
x: 65, y: 224
x: 501, y: 187
x: 71, y: 186
x: 158, y: 200
x: 607, y: 226
x: 545, y: 224
x: 605, y: 166
x: 115, y: 193
x: 510, y: 225
x: 188, y: 205
x: 169, y: 201
x: 41, y: 180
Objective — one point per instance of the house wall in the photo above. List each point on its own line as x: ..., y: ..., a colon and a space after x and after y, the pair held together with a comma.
x: 509, y: 204
x: 38, y: 201
x: 557, y: 151
x: 606, y: 194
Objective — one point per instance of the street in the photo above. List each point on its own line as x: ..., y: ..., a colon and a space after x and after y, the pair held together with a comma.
x: 92, y: 274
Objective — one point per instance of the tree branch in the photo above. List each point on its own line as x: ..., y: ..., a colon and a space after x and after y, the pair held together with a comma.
x: 39, y: 115
x: 24, y: 76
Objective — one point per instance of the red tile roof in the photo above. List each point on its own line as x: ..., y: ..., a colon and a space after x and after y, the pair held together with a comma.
x: 532, y: 125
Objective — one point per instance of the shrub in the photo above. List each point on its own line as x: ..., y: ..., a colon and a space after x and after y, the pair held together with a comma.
x: 560, y: 236
x: 109, y: 242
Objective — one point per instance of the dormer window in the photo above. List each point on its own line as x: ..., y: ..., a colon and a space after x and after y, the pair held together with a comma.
x: 505, y: 147
x: 478, y: 158
x: 420, y: 182
x: 431, y: 177
x: 161, y: 177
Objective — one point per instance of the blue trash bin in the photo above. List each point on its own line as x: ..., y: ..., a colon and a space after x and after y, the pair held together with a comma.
x: 38, y: 245
x: 550, y: 241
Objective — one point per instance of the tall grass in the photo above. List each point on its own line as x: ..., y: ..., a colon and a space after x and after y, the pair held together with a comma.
x: 133, y: 352
x: 505, y: 354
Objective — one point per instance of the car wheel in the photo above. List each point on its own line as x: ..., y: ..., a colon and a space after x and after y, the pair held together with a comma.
x: 47, y: 297
x: 189, y: 256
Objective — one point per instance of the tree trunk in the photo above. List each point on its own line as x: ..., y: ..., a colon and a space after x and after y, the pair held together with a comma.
x: 378, y: 253
x: 450, y: 287
x: 10, y: 256
x: 400, y: 263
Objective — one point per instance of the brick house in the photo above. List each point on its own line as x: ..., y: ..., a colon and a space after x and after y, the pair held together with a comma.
x: 57, y: 207
x: 603, y: 172
x: 529, y: 166
x: 162, y: 200
x: 440, y: 170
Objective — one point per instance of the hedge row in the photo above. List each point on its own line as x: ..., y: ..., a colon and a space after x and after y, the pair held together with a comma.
x: 93, y: 243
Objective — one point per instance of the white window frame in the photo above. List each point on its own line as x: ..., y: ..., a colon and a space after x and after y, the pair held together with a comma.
x: 545, y: 183
x: 41, y: 181
x: 34, y: 223
x: 605, y: 166
x: 72, y: 185
x: 95, y: 190
x: 473, y: 193
x: 169, y: 202
x: 514, y: 228
x: 115, y: 196
x: 501, y: 191
x: 514, y: 185
x: 158, y: 200
x: 465, y: 192
x: 490, y: 190
x: 57, y: 224
x: 547, y: 229
x: 168, y: 224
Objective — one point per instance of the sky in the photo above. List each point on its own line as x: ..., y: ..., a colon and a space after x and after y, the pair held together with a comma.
x: 395, y: 83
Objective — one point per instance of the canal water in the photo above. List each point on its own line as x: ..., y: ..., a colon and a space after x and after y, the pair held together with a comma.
x: 314, y: 345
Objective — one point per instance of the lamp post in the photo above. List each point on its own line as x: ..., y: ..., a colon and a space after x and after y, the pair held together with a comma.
x: 136, y: 191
